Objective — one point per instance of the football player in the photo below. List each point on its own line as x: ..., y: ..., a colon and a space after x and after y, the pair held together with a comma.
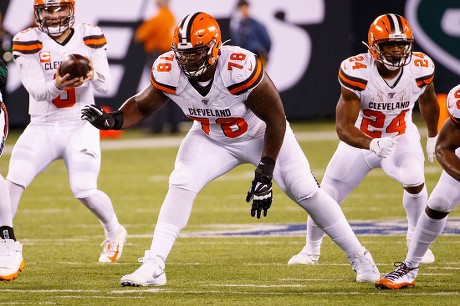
x: 238, y: 118
x: 379, y: 90
x: 443, y: 199
x: 55, y: 130
x: 11, y: 261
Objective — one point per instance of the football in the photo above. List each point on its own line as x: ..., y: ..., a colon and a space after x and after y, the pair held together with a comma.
x: 74, y: 64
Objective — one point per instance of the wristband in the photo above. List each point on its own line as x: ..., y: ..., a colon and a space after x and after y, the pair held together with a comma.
x: 118, y: 120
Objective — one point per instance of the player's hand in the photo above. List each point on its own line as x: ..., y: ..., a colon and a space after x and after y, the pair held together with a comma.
x: 98, y: 117
x: 382, y: 147
x: 430, y: 147
x: 261, y: 188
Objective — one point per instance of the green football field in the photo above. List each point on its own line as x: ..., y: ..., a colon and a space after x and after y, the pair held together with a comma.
x: 223, y: 256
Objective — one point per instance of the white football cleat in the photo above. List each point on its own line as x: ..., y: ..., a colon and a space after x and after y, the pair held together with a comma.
x: 364, y: 266
x: 150, y: 273
x: 303, y: 259
x: 113, y: 248
x: 402, y: 277
x: 11, y: 261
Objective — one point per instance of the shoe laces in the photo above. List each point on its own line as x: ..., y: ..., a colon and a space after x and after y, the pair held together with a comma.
x: 401, y: 271
x: 109, y: 245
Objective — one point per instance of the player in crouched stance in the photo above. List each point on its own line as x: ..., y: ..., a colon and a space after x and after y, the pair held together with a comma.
x: 443, y: 199
x: 55, y: 130
x: 238, y: 118
x: 374, y: 123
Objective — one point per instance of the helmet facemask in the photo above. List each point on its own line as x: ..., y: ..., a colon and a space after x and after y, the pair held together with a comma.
x: 194, y: 62
x: 196, y: 44
x: 393, y: 61
x: 394, y: 30
x: 54, y: 19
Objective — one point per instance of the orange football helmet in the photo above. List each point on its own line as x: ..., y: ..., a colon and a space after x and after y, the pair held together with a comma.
x: 196, y: 43
x: 54, y: 17
x: 390, y: 29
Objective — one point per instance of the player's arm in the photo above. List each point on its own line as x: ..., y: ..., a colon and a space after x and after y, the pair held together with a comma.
x: 429, y: 108
x: 266, y: 104
x: 346, y: 114
x: 133, y: 110
x: 99, y: 74
x: 448, y: 142
x: 142, y: 105
x: 33, y: 79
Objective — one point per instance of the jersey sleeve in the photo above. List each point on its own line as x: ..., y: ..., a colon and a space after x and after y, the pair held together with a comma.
x: 354, y: 74
x: 95, y: 40
x: 241, y: 70
x: 423, y: 68
x: 165, y: 73
x: 453, y: 104
x: 26, y: 45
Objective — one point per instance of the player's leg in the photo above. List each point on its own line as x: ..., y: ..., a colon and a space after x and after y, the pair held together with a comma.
x: 199, y: 161
x: 444, y: 197
x: 31, y: 154
x: 345, y: 171
x: 293, y: 175
x: 83, y: 160
x: 406, y: 165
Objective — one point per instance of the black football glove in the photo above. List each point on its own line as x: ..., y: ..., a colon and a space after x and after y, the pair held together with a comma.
x: 100, y: 119
x: 261, y: 188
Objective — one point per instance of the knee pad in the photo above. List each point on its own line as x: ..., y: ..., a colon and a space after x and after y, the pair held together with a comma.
x: 83, y: 184
x: 439, y: 204
x: 411, y: 174
x: 22, y: 173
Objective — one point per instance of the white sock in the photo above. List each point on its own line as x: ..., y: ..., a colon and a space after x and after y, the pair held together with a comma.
x: 173, y: 217
x: 414, y: 204
x: 329, y: 217
x: 427, y: 230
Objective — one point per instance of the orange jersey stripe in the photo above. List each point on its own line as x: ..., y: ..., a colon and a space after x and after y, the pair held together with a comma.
x: 95, y: 41
x: 253, y: 80
x: 425, y: 80
x: 27, y: 47
x: 162, y: 87
x: 351, y: 82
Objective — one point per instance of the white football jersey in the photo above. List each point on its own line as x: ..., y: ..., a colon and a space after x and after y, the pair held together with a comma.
x: 386, y: 108
x: 38, y: 56
x: 222, y: 112
x: 453, y: 104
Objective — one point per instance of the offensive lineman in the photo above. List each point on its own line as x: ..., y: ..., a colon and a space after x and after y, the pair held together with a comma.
x: 55, y: 130
x: 238, y: 118
x: 443, y: 199
x: 374, y: 123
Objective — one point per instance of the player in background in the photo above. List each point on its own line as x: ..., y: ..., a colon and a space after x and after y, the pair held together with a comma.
x: 55, y: 130
x: 11, y: 261
x: 374, y: 123
x: 443, y: 199
x: 238, y: 118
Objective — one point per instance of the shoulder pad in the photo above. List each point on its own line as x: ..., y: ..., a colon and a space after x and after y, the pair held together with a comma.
x: 354, y: 72
x: 453, y: 104
x: 27, y: 42
x: 165, y: 73
x: 423, y: 68
x: 93, y: 36
x: 240, y: 69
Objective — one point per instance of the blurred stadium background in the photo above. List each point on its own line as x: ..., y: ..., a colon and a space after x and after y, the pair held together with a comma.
x: 310, y: 39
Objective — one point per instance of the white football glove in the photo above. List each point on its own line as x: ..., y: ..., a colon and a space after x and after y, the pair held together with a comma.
x: 382, y: 147
x: 430, y: 147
